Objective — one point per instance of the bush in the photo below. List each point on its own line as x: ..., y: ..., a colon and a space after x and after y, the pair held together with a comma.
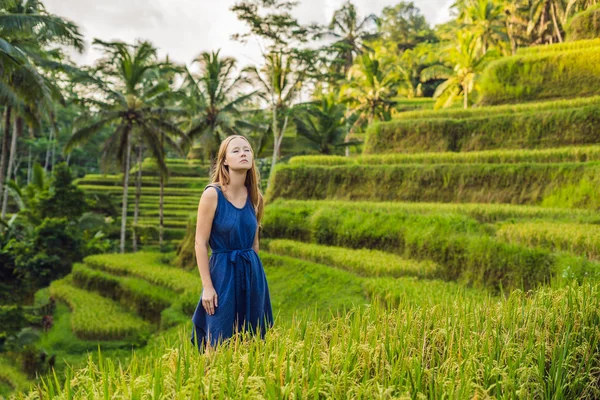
x: 527, y: 130
x: 584, y: 25
x: 546, y: 75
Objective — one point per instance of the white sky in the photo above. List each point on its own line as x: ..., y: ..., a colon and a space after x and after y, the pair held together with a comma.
x: 185, y: 28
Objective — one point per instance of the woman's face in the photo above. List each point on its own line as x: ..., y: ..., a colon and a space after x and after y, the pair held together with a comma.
x: 239, y: 155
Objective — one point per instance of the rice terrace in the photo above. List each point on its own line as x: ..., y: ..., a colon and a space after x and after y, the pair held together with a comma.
x: 430, y: 218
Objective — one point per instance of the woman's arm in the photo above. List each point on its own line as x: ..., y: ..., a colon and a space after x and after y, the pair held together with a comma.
x: 206, y: 214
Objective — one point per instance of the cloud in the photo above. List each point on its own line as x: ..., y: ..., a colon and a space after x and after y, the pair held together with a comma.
x: 185, y: 28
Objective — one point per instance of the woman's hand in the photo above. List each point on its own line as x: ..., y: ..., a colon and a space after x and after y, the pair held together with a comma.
x: 209, y: 300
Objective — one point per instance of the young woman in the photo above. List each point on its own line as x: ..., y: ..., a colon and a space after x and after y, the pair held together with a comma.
x: 235, y: 294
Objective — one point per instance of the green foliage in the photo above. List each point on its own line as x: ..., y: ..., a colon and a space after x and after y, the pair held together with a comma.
x: 554, y: 155
x: 560, y: 47
x: 414, y: 292
x: 583, y: 194
x: 64, y: 199
x: 45, y: 256
x: 136, y: 295
x: 532, y: 345
x: 572, y: 73
x: 280, y: 212
x: 464, y: 249
x: 584, y: 25
x: 146, y: 266
x: 530, y: 130
x: 363, y: 262
x: 95, y: 317
x: 519, y: 183
x: 487, y: 111
x: 575, y: 238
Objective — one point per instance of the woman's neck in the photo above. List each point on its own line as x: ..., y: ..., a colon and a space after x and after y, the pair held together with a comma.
x: 237, y: 181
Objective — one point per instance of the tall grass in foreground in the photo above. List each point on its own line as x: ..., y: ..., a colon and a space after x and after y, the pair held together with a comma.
x: 542, y: 344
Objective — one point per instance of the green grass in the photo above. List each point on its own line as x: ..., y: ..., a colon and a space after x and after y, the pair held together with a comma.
x: 557, y: 155
x: 147, y: 181
x: 11, y: 378
x: 363, y: 262
x: 484, y: 213
x: 549, y: 48
x: 95, y: 317
x: 136, y: 295
x: 529, y: 129
x: 487, y: 111
x: 581, y: 239
x: 525, y: 77
x: 519, y: 183
x: 531, y: 345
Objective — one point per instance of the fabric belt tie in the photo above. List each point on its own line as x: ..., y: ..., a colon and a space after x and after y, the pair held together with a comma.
x: 242, y: 279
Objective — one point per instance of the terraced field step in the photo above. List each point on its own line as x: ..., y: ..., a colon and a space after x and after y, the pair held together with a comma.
x: 556, y: 155
x: 363, y: 262
x: 136, y: 295
x: 559, y: 47
x: 575, y: 238
x: 95, y: 317
x: 294, y: 210
x: 519, y: 183
x: 487, y: 111
x: 147, y: 181
x: 551, y: 127
x: 153, y: 191
x: 465, y: 248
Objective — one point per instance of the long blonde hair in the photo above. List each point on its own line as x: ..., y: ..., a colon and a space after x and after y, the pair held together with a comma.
x: 220, y: 175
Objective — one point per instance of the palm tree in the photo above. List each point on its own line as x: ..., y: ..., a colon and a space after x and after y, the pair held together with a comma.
x: 350, y: 33
x: 128, y: 107
x: 279, y: 80
x: 486, y: 18
x: 546, y: 20
x: 214, y: 98
x: 371, y: 88
x: 26, y: 32
x: 467, y: 60
x: 323, y: 124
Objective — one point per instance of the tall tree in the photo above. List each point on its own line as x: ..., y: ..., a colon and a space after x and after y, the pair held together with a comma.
x: 215, y: 99
x: 466, y: 61
x: 486, y: 18
x: 405, y: 26
x: 350, y: 32
x: 285, y: 63
x: 128, y: 107
x: 323, y: 124
x: 370, y: 89
x: 27, y: 32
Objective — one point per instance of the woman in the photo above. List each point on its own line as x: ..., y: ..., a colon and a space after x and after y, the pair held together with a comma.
x: 235, y: 295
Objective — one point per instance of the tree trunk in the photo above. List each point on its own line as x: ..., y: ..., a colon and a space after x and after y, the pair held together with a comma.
x: 55, y: 139
x: 275, y: 147
x: 29, y: 166
x: 466, y: 97
x: 11, y: 159
x: 48, y: 149
x: 161, y: 222
x: 5, y: 139
x: 138, y: 193
x: 555, y: 22
x: 125, y: 187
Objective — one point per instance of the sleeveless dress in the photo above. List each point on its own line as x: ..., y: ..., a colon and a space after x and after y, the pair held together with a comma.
x: 237, y: 275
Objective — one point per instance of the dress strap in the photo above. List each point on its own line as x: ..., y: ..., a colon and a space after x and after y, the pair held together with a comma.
x: 213, y: 185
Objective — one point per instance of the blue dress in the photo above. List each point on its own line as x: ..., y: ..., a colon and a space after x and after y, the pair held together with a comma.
x: 237, y: 275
